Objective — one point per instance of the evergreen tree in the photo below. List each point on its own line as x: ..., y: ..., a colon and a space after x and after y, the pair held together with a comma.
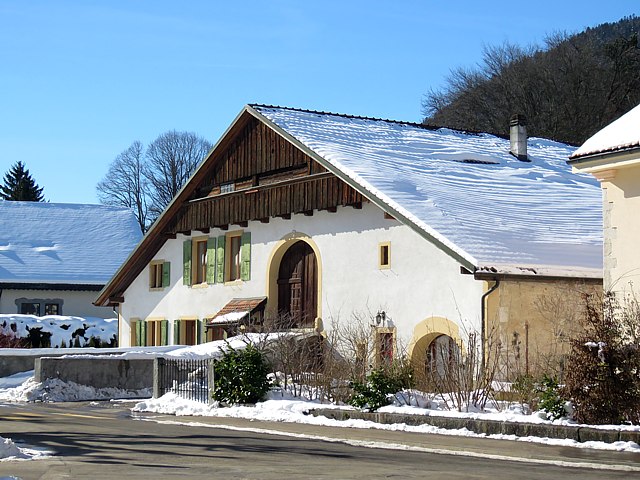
x: 19, y: 185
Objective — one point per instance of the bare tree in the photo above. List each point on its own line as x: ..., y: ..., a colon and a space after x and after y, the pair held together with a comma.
x: 125, y: 184
x: 171, y: 160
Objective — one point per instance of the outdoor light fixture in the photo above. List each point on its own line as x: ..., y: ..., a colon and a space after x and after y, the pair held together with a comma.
x: 380, y: 317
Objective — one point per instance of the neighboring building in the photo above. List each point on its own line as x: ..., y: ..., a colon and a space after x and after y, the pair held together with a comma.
x: 430, y: 234
x: 55, y: 257
x: 613, y: 156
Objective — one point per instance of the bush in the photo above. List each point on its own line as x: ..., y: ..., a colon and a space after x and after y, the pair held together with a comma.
x: 525, y: 389
x: 603, y: 369
x: 550, y: 400
x: 374, y: 392
x: 241, y: 376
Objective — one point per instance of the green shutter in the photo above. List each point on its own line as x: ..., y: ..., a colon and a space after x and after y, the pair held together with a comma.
x: 138, y: 327
x: 166, y: 274
x: 164, y: 332
x: 220, y: 260
x: 199, y: 329
x: 143, y: 334
x: 211, y: 260
x: 186, y: 260
x: 245, y: 257
x: 176, y: 332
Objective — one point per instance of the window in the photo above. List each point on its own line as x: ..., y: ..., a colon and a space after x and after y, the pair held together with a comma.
x: 385, y: 340
x: 155, y: 332
x: 159, y: 274
x: 51, y: 309
x: 227, y: 187
x: 200, y: 267
x: 30, y: 308
x: 384, y: 255
x: 186, y: 331
x: 233, y: 262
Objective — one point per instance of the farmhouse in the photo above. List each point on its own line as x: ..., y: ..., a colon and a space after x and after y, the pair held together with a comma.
x: 429, y: 234
x: 55, y: 257
x: 613, y: 157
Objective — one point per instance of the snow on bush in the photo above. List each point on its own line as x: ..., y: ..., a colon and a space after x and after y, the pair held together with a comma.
x: 61, y: 331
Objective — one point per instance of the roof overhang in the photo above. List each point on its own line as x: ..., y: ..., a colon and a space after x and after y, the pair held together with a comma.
x: 50, y: 286
x: 602, y: 162
x: 536, y: 272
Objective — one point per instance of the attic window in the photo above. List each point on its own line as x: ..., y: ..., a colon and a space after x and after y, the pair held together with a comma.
x: 227, y: 187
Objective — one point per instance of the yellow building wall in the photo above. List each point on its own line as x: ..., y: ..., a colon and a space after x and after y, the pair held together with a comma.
x: 532, y: 320
x: 621, y: 218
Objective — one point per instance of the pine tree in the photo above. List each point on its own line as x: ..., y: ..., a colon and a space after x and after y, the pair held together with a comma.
x: 19, y: 185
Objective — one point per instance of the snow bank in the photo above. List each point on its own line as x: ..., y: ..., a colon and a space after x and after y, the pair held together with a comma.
x: 65, y: 330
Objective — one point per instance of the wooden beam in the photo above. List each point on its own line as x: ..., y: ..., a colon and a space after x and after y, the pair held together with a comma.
x: 332, y: 209
x: 286, y: 216
x: 308, y: 213
x: 264, y: 220
x: 244, y: 224
x: 204, y: 230
x: 169, y: 235
x: 389, y: 216
x: 357, y: 205
x: 223, y: 227
x: 116, y: 300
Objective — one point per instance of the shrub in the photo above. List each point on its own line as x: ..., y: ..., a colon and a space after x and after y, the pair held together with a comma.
x: 374, y: 392
x: 603, y: 369
x: 525, y: 390
x: 11, y: 341
x: 241, y: 376
x: 550, y: 400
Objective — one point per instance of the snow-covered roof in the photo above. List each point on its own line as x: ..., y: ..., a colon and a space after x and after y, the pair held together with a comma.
x: 57, y: 243
x: 622, y: 134
x: 464, y: 190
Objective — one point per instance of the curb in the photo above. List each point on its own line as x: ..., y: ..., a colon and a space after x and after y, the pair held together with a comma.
x: 488, y: 427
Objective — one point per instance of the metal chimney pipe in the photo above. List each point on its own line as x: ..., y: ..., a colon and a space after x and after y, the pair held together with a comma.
x: 518, y: 137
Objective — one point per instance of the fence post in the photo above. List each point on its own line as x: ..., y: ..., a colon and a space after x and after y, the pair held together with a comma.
x: 158, y: 388
x: 210, y: 380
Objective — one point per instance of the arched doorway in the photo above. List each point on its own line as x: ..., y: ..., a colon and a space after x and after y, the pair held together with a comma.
x: 298, y: 285
x: 442, y: 356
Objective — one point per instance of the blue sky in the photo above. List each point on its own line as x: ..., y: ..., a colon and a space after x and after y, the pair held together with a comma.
x: 81, y: 80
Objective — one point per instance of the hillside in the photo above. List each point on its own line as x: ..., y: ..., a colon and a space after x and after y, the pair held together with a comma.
x: 568, y: 89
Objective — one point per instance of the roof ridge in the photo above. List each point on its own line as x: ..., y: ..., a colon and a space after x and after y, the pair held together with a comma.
x: 424, y: 126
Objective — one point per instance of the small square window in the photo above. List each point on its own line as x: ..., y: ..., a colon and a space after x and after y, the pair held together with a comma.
x: 384, y: 255
x: 51, y: 309
x: 227, y: 187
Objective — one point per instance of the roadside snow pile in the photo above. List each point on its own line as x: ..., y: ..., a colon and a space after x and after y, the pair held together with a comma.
x: 60, y: 330
x: 279, y: 409
x: 9, y: 450
x: 55, y: 390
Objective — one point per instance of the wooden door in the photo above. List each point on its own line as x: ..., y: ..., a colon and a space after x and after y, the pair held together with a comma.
x: 297, y: 285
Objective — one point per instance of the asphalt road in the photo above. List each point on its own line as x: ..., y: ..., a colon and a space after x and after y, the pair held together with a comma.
x: 103, y: 441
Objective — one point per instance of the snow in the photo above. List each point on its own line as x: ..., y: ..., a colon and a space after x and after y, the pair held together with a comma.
x: 619, y: 135
x: 64, y: 243
x: 230, y: 317
x: 282, y: 409
x: 63, y: 329
x: 496, y: 210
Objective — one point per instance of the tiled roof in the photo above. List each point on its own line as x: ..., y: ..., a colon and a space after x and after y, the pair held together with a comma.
x: 463, y: 189
x: 56, y: 243
x: 237, y: 309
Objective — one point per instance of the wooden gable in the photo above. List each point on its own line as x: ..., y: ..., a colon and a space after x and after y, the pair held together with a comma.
x: 258, y: 175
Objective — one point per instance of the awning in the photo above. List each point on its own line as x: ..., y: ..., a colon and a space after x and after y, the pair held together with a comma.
x: 236, y: 310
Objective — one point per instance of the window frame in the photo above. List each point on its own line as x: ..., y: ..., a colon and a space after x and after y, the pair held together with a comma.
x: 156, y: 268
x: 230, y: 238
x: 384, y: 255
x: 198, y: 267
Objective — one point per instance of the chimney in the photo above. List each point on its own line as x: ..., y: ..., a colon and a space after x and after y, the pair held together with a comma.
x: 518, y: 137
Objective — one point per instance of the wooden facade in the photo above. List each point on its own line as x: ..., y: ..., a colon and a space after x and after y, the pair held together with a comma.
x: 258, y: 176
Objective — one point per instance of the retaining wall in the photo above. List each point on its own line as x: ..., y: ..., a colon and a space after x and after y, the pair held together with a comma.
x: 98, y: 372
x: 488, y: 427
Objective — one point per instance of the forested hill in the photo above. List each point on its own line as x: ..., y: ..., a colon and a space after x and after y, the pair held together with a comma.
x: 568, y: 89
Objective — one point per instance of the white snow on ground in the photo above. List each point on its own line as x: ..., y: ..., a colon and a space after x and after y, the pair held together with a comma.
x: 62, y: 328
x: 278, y: 409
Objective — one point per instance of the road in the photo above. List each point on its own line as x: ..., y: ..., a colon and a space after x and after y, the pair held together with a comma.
x: 104, y: 441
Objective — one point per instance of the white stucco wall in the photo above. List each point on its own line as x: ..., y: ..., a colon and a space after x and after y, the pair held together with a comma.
x: 76, y: 303
x: 422, y: 281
